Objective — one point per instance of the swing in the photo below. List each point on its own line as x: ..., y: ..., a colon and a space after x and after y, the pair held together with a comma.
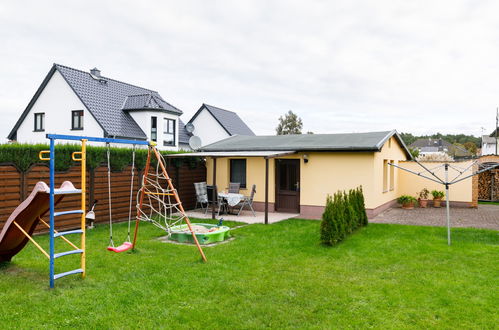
x: 127, y: 245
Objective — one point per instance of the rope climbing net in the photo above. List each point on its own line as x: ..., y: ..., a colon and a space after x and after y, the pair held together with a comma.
x: 160, y: 205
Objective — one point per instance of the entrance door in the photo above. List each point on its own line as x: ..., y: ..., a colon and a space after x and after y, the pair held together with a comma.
x: 287, y: 185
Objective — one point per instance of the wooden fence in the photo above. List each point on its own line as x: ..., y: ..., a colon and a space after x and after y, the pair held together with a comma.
x: 16, y: 185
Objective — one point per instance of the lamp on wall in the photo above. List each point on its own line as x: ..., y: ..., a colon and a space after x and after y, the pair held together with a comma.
x: 305, y: 158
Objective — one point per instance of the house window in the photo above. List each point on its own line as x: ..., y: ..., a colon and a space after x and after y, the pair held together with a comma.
x: 39, y: 122
x: 385, y: 175
x: 392, y: 176
x: 77, y: 119
x: 154, y: 129
x: 169, y: 132
x: 238, y: 171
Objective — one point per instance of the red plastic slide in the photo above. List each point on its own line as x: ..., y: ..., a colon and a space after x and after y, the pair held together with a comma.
x: 26, y: 215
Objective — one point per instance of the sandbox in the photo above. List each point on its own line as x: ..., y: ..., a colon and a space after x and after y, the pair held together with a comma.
x: 205, y: 233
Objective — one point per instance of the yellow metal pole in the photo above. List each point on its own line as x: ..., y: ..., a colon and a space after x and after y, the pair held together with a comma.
x: 83, y: 203
x: 31, y: 239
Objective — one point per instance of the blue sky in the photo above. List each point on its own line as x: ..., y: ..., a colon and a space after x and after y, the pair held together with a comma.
x: 342, y: 66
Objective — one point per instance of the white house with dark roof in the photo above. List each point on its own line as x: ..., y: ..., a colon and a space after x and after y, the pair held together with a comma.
x: 76, y: 102
x: 212, y: 124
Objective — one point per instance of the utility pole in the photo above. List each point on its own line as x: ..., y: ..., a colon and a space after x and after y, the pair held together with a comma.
x: 497, y: 126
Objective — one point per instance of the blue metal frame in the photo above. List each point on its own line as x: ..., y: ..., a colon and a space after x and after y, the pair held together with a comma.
x: 52, y: 188
x: 52, y: 138
x: 95, y: 139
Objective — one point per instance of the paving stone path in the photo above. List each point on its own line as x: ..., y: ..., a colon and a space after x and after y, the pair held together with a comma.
x: 485, y: 216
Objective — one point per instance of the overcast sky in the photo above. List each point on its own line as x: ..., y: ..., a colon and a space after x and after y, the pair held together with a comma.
x: 343, y: 66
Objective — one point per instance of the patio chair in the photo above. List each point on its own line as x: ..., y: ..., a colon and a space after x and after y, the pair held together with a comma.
x: 234, y: 187
x: 248, y: 200
x: 217, y: 200
x: 201, y: 194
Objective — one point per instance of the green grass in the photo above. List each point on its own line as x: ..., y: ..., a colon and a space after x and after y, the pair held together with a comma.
x: 384, y: 276
x: 488, y: 203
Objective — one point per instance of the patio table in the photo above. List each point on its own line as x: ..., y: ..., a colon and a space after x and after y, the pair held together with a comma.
x: 231, y: 198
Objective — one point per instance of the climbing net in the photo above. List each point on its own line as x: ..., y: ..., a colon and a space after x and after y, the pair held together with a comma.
x: 160, y: 205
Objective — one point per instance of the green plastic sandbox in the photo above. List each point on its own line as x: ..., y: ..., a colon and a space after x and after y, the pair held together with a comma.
x: 182, y: 234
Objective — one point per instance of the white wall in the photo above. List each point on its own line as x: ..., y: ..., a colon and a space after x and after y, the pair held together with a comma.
x: 488, y: 149
x: 57, y: 100
x: 143, y: 119
x: 208, y: 128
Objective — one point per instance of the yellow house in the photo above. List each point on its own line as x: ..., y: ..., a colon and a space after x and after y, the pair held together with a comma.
x: 295, y: 173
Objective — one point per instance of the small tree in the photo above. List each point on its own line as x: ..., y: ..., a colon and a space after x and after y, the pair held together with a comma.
x: 326, y: 224
x: 364, y: 220
x: 289, y: 124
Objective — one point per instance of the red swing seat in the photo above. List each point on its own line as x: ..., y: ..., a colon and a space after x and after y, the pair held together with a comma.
x: 122, y: 248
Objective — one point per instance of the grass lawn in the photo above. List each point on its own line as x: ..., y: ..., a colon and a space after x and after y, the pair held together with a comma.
x: 488, y: 203
x: 384, y: 276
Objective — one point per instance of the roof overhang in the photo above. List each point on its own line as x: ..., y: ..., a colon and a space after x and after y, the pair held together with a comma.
x: 220, y: 154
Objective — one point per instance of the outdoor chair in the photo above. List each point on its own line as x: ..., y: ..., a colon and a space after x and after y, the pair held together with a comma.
x: 248, y: 200
x: 213, y: 199
x: 201, y: 194
x: 234, y: 187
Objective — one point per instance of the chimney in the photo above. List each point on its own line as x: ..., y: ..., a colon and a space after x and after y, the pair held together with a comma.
x: 95, y: 72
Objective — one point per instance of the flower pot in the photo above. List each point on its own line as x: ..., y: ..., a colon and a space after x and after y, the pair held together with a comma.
x: 423, y: 203
x: 437, y: 202
x: 408, y: 205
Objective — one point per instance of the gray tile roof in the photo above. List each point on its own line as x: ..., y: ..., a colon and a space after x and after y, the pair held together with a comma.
x: 183, y: 136
x: 488, y: 139
x: 229, y: 120
x: 106, y: 99
x: 372, y: 141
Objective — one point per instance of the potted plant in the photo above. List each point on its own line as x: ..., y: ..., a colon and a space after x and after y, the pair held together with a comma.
x: 407, y: 202
x: 423, y: 198
x: 437, y: 197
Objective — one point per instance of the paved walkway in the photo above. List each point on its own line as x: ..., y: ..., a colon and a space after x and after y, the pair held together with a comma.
x: 246, y: 216
x: 485, y: 216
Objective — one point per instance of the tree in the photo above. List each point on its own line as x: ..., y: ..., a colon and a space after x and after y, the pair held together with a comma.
x: 289, y: 124
x: 471, y: 147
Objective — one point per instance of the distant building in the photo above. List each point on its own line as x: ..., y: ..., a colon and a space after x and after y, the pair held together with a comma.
x: 489, y: 144
x: 429, y: 146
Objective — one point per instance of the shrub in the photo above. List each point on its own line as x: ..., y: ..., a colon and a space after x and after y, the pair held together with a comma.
x: 344, y: 212
x: 437, y: 194
x: 406, y: 199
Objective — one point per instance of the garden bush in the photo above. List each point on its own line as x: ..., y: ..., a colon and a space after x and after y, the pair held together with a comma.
x: 343, y: 214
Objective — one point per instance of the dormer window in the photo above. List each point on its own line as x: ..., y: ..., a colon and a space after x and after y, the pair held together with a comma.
x: 77, y: 120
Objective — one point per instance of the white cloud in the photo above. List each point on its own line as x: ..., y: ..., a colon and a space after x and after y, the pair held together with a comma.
x: 420, y: 66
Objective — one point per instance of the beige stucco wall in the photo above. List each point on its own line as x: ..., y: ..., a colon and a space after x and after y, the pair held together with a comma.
x: 411, y: 184
x: 325, y: 173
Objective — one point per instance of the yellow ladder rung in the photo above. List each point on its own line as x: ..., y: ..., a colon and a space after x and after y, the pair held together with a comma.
x: 31, y: 239
x: 163, y: 194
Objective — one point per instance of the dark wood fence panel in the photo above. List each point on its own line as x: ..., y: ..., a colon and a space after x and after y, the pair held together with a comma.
x: 10, y: 191
x: 16, y: 186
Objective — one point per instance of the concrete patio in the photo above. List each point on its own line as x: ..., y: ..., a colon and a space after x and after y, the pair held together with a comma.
x: 485, y: 216
x: 245, y: 216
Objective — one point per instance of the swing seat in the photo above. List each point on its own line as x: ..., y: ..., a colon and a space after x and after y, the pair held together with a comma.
x: 122, y: 248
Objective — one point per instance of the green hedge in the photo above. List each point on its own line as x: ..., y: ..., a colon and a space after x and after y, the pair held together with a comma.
x: 25, y: 155
x: 343, y: 214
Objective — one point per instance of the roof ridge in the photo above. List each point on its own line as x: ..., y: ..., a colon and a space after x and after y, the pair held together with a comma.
x: 323, y: 134
x: 212, y: 106
x: 107, y: 78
